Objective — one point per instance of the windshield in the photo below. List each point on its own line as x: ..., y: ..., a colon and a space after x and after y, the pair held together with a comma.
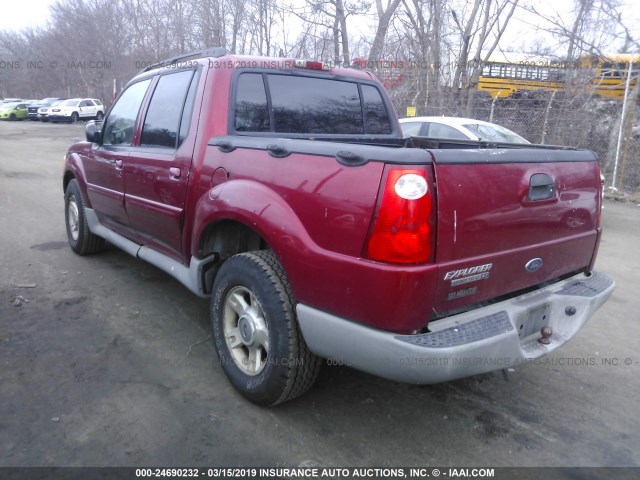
x: 56, y: 103
x: 494, y: 133
x: 9, y: 105
x: 70, y: 103
x: 48, y: 101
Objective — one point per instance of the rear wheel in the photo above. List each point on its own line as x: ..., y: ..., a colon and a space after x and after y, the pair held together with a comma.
x: 99, y: 116
x: 80, y: 238
x: 256, y: 334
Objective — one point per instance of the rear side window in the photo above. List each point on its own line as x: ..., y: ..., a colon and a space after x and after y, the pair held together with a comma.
x: 165, y: 110
x: 308, y: 105
x: 185, y: 121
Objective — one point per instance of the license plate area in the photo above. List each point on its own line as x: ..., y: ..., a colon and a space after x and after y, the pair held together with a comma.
x: 531, y: 323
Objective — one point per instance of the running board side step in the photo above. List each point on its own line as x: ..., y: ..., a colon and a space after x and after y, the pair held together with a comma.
x: 194, y: 277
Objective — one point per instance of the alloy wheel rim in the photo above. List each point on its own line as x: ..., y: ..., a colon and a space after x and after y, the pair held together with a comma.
x: 73, y: 217
x: 245, y: 331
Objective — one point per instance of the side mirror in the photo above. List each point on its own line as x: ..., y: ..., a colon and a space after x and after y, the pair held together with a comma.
x: 93, y: 131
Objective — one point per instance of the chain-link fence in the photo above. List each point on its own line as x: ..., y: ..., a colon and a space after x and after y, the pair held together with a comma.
x: 540, y: 116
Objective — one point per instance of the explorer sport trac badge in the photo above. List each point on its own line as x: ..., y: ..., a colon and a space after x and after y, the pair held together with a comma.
x: 468, y: 275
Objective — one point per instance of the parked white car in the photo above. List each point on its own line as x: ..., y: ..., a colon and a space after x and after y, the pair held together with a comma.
x: 458, y: 128
x: 76, y: 109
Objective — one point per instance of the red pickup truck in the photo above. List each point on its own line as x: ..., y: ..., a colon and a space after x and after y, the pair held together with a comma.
x: 283, y: 190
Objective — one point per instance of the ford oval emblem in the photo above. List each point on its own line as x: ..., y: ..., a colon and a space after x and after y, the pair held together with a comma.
x: 533, y: 264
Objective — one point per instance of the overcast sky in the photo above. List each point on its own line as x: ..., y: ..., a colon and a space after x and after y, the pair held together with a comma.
x: 19, y: 14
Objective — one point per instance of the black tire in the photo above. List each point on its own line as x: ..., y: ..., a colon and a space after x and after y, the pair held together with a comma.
x: 288, y: 369
x: 12, y: 117
x: 99, y: 116
x: 75, y: 117
x: 80, y: 238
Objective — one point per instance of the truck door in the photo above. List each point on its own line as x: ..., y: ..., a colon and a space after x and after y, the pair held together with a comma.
x: 104, y: 163
x: 157, y: 172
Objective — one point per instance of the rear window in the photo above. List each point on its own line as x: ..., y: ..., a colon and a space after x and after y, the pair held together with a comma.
x: 308, y: 105
x: 494, y: 133
x: 437, y: 130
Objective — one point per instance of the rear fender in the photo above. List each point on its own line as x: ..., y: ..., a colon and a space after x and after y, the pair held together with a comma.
x: 260, y: 209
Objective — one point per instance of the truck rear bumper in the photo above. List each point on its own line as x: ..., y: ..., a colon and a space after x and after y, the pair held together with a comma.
x: 494, y: 337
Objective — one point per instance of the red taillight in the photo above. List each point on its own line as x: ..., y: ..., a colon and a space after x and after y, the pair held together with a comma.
x: 311, y: 65
x: 402, y: 231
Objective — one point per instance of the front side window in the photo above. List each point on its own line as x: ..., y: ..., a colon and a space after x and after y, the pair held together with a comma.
x: 119, y: 126
x: 308, y: 105
x: 165, y: 110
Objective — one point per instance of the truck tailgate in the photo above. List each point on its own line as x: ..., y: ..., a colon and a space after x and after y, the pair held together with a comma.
x: 510, y: 219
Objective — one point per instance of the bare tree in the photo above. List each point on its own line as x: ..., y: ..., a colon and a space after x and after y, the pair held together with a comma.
x: 385, y: 14
x: 466, y: 39
x: 490, y: 25
x: 329, y: 18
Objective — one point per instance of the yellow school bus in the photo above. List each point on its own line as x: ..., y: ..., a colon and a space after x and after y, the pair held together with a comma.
x: 607, y: 76
x: 504, y: 74
x: 603, y: 76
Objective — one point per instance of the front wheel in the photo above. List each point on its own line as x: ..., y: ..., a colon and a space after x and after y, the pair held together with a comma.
x: 74, y: 117
x: 255, y: 331
x: 80, y: 238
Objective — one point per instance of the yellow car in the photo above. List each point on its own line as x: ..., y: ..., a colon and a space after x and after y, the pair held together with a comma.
x: 13, y: 111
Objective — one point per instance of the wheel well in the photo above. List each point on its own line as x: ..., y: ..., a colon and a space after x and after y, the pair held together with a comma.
x: 68, y: 176
x: 228, y: 238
